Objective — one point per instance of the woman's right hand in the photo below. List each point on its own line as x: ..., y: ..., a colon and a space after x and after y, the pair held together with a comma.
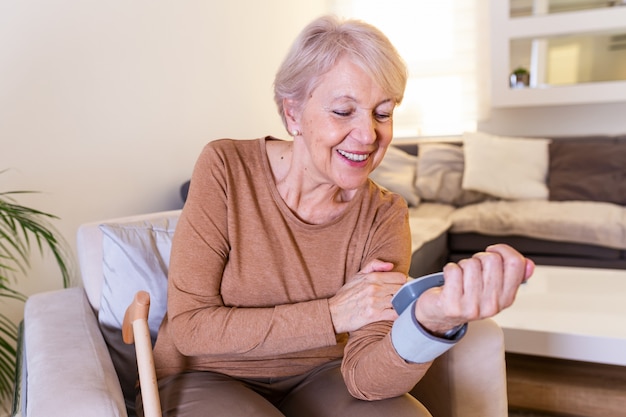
x: 366, y: 298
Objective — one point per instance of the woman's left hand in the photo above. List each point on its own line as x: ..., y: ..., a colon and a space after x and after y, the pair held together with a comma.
x: 366, y: 297
x: 474, y: 289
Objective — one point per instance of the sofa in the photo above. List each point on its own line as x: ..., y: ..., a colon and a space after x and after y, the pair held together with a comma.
x: 559, y: 200
x: 74, y: 363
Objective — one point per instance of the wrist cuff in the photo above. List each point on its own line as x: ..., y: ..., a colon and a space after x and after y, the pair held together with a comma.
x: 414, y: 344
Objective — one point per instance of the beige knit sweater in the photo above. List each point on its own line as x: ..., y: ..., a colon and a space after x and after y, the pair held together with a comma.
x: 249, y: 282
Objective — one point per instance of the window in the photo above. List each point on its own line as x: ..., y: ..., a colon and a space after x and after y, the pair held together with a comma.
x: 442, y: 45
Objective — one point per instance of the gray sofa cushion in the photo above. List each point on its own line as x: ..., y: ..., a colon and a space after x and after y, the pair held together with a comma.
x: 396, y: 173
x: 440, y: 175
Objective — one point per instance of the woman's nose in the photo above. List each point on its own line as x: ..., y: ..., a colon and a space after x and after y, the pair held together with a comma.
x: 365, y: 130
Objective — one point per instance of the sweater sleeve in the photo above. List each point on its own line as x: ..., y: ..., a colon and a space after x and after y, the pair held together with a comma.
x: 199, y: 321
x: 372, y: 369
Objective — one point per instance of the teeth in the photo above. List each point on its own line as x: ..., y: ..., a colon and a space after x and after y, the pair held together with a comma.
x: 353, y: 156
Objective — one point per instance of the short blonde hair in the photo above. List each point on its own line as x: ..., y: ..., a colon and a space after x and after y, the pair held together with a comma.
x: 320, y: 46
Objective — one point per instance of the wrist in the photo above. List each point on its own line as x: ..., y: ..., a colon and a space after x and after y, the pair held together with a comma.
x: 437, y: 328
x: 454, y: 333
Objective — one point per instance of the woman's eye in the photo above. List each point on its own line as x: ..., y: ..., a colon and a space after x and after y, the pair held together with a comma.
x: 383, y: 117
x: 379, y: 116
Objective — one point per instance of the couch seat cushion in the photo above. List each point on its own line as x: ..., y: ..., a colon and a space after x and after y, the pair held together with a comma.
x: 429, y: 224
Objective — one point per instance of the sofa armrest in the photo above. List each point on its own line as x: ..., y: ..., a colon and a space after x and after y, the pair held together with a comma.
x: 470, y: 379
x: 68, y: 370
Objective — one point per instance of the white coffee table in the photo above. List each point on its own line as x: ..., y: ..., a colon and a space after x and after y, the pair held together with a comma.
x: 569, y: 313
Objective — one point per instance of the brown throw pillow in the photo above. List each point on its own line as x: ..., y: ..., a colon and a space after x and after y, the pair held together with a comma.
x: 588, y: 170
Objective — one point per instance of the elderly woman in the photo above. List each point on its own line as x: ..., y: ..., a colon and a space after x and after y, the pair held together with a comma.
x: 286, y: 256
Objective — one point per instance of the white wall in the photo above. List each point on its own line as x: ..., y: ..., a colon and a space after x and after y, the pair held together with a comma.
x: 574, y: 120
x: 105, y: 105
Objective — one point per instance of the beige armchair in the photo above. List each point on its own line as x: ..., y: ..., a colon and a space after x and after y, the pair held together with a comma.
x: 72, y: 337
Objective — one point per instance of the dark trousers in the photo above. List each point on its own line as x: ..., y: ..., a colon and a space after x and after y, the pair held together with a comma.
x: 319, y: 393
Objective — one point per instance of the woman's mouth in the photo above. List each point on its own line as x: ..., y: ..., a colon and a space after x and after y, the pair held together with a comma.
x: 354, y: 157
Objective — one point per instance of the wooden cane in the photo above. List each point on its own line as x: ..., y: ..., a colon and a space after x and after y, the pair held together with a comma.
x: 135, y: 330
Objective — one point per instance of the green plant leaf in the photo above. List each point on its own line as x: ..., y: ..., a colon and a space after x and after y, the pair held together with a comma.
x: 21, y: 229
x: 8, y: 351
x: 20, y: 224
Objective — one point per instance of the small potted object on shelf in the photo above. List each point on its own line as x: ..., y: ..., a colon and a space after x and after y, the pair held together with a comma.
x: 520, y: 78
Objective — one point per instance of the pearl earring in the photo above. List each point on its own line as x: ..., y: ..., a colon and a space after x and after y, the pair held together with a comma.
x: 295, y: 132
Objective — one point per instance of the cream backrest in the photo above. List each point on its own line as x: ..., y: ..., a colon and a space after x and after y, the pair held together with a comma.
x: 89, y: 251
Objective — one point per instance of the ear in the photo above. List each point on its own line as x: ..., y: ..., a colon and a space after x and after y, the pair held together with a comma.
x: 291, y: 110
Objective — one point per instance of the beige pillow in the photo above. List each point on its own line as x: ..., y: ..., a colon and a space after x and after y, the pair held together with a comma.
x: 506, y: 167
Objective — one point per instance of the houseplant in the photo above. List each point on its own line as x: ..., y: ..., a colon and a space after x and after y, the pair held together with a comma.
x: 21, y: 229
x: 520, y: 78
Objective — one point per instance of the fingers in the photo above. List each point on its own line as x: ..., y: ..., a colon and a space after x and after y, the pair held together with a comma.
x: 508, y: 254
x: 471, y: 291
x: 485, y: 284
x: 516, y: 267
x: 355, y: 306
x: 530, y: 269
x: 377, y: 266
x: 474, y: 288
x: 497, y: 291
x: 366, y: 297
x: 378, y: 271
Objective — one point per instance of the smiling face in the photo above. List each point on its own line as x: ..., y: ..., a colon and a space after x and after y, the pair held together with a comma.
x: 345, y: 125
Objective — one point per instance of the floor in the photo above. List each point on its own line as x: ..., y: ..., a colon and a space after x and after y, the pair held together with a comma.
x: 565, y: 387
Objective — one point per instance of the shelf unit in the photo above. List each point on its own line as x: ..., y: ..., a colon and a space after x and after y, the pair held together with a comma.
x: 504, y: 29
